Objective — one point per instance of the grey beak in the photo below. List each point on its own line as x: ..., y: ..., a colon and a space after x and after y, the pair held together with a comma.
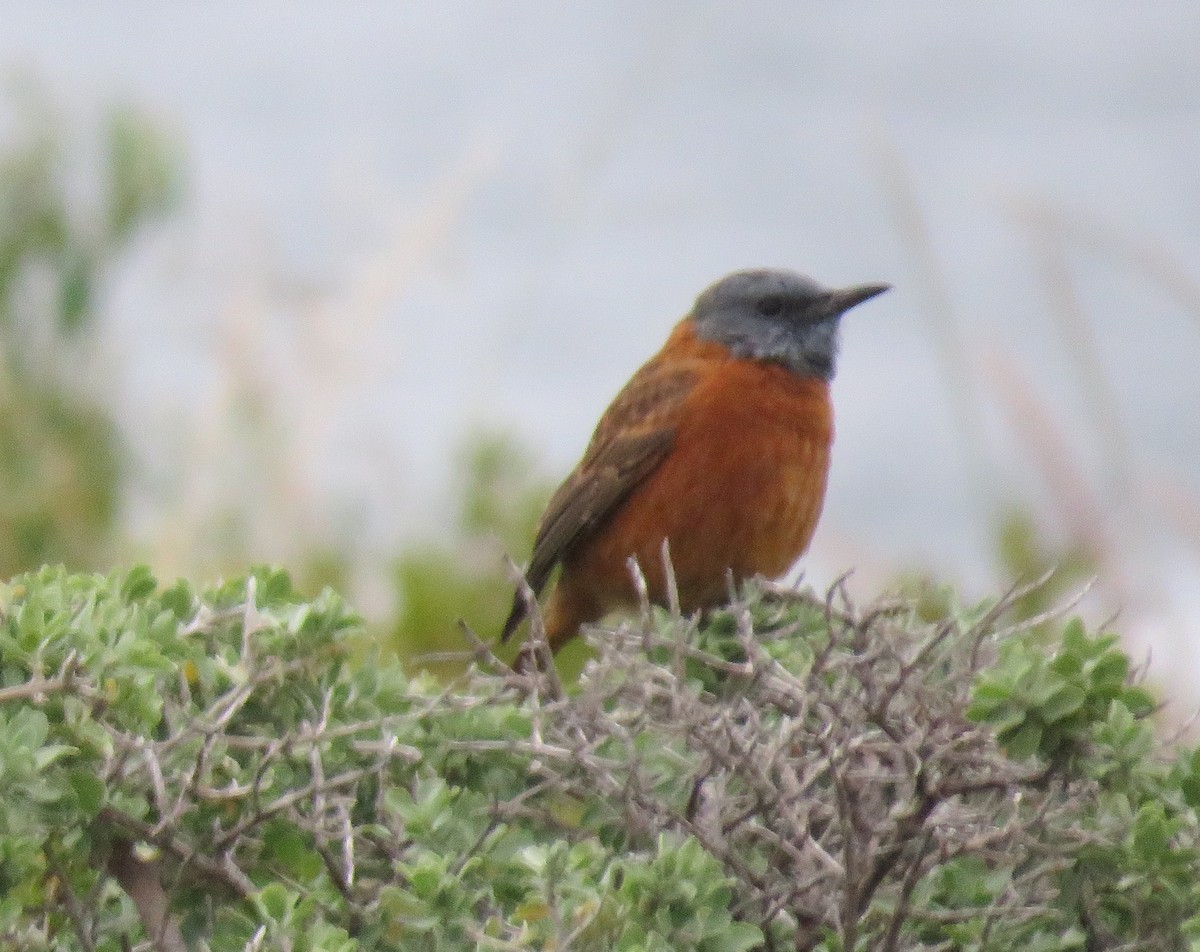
x: 841, y: 300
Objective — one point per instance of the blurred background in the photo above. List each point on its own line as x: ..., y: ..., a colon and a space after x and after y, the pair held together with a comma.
x: 345, y: 287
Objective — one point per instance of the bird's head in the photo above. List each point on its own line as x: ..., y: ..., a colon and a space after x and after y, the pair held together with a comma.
x: 779, y: 316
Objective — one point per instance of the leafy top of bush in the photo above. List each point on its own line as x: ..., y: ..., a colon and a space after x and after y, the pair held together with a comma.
x: 222, y: 770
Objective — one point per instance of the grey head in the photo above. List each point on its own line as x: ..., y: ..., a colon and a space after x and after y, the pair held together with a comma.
x: 778, y: 316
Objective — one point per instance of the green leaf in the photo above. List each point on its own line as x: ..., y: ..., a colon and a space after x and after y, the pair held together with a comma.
x: 1152, y: 833
x: 292, y: 850
x: 28, y: 728
x: 89, y: 791
x: 1024, y: 742
x: 51, y: 753
x: 275, y: 586
x: 735, y: 937
x: 275, y: 903
x: 138, y: 584
x: 1066, y: 700
x: 1139, y: 701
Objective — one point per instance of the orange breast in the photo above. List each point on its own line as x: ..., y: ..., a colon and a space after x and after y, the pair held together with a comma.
x: 740, y: 490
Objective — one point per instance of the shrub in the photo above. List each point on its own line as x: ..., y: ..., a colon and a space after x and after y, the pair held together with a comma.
x: 185, y: 769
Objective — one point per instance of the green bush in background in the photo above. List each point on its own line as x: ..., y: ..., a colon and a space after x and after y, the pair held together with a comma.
x: 460, y: 579
x: 61, y: 466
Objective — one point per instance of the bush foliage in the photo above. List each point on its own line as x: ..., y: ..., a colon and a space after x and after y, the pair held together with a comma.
x: 62, y: 461
x: 210, y: 770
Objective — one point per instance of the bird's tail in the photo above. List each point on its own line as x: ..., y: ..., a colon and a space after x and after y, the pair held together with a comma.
x: 516, y: 615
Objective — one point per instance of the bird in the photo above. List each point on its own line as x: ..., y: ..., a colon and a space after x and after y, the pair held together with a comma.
x: 719, y: 444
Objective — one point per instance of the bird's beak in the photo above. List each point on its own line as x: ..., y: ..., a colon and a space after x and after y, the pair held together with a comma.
x: 842, y: 299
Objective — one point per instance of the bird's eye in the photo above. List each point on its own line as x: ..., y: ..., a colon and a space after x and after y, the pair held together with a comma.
x: 770, y: 306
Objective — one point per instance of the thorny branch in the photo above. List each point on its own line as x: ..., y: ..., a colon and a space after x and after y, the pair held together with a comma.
x: 853, y: 779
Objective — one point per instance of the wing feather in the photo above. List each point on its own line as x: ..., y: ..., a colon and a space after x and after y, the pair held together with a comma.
x: 632, y: 438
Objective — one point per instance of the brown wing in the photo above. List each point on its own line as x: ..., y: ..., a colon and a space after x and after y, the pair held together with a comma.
x: 632, y: 438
